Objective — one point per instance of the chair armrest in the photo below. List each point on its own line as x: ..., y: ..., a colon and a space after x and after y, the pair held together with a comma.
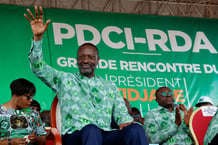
x: 57, y: 136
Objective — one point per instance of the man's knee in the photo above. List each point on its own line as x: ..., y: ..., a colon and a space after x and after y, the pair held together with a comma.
x: 91, y: 134
x: 135, y: 128
x: 135, y: 135
x: 91, y: 129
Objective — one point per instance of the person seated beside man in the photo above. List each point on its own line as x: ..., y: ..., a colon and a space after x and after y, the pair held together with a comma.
x: 168, y: 123
x: 20, y: 124
x: 46, y: 118
x: 36, y: 106
x: 135, y: 113
x: 204, y: 101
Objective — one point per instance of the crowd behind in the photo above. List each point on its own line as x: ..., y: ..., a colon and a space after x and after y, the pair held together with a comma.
x: 93, y: 112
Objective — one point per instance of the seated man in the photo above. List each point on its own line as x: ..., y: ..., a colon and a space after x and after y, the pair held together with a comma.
x: 165, y: 124
x: 18, y: 121
x: 87, y: 101
x: 211, y: 136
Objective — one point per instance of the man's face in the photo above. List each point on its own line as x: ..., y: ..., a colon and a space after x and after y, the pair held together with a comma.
x: 165, y: 98
x: 87, y: 60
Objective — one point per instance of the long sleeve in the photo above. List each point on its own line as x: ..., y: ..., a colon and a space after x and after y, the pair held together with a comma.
x: 160, y: 127
x: 212, y: 130
x: 158, y: 130
x: 120, y: 111
x: 43, y: 71
x: 83, y: 100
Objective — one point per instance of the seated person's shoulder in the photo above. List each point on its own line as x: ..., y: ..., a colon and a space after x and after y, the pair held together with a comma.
x: 1, y: 109
x: 150, y: 114
x: 106, y: 82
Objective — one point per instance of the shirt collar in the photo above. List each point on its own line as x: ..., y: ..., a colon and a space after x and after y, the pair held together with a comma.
x: 86, y: 78
x: 160, y: 108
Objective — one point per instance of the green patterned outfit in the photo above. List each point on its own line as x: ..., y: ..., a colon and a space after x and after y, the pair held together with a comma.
x: 212, y: 129
x: 19, y: 123
x: 82, y: 100
x: 160, y: 128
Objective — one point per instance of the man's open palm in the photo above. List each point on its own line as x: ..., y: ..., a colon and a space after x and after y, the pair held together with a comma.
x: 37, y: 25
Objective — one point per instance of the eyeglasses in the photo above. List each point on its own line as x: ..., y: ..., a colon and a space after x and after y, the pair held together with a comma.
x: 135, y: 115
x: 164, y: 94
x: 29, y: 97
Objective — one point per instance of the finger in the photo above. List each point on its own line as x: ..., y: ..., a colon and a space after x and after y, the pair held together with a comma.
x: 21, y: 141
x: 46, y: 24
x: 36, y: 12
x: 41, y: 12
x: 177, y: 109
x: 190, y: 110
x: 30, y: 13
x: 33, y: 133
x: 177, y: 112
x: 27, y: 17
x: 182, y: 107
x: 121, y: 127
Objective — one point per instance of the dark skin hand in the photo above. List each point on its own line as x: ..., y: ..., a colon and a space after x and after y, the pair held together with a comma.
x: 122, y: 125
x: 37, y: 25
x: 33, y: 137
x: 178, y: 118
x: 18, y: 141
x: 22, y: 141
x: 187, y: 115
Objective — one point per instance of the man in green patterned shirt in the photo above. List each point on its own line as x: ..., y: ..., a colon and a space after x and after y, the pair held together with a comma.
x: 18, y: 123
x: 165, y: 124
x: 87, y: 101
x: 211, y: 136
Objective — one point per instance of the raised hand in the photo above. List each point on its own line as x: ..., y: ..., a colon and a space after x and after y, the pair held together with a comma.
x: 37, y: 25
x: 178, y: 118
x: 187, y: 115
x: 182, y: 107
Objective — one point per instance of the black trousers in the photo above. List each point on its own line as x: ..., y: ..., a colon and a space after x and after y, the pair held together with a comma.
x: 92, y: 135
x: 214, y: 140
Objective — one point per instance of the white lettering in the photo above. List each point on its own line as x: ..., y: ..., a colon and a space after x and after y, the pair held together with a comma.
x: 200, y: 36
x: 58, y: 36
x: 152, y: 41
x: 105, y: 37
x: 80, y: 29
x: 174, y: 44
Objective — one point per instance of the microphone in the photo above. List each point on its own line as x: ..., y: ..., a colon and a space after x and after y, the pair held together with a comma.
x: 175, y: 104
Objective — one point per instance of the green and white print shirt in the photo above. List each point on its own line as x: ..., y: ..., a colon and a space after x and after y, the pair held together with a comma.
x: 82, y: 100
x: 19, y: 123
x: 212, y: 129
x: 160, y: 128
